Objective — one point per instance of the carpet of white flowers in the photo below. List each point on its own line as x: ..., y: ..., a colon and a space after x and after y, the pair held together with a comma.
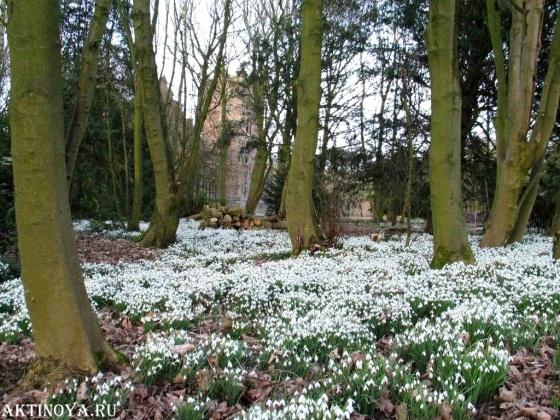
x: 341, y: 332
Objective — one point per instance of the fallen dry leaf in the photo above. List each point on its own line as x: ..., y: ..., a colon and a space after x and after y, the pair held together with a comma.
x: 252, y: 341
x: 203, y: 379
x: 544, y: 416
x: 446, y: 412
x: 385, y: 403
x: 227, y: 325
x: 530, y: 412
x: 506, y: 395
x: 183, y: 349
x: 402, y: 412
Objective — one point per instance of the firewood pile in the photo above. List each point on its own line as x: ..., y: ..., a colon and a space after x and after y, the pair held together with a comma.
x: 386, y: 234
x: 235, y: 218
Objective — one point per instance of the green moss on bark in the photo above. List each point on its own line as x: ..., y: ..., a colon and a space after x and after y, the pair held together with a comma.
x: 449, y: 228
x: 65, y: 330
x: 300, y: 213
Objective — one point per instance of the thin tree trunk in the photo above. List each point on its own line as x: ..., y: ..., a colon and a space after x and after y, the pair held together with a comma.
x: 256, y: 186
x: 381, y: 117
x: 362, y: 113
x: 326, y: 133
x: 450, y: 232
x: 125, y: 161
x: 165, y: 216
x: 556, y: 231
x: 138, y: 193
x: 258, y: 179
x: 86, y: 84
x: 285, y: 154
x: 110, y: 159
x: 66, y: 334
x: 410, y: 162
x: 300, y: 212
x: 223, y: 143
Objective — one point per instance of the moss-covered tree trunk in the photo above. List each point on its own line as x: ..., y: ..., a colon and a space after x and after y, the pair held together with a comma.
x: 517, y: 151
x: 165, y: 216
x: 450, y: 232
x: 527, y: 202
x: 285, y: 152
x: 86, y: 84
x: 65, y: 330
x: 300, y: 212
x: 258, y: 178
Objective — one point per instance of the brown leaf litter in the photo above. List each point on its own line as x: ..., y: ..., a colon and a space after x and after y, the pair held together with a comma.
x: 96, y: 249
x: 531, y: 387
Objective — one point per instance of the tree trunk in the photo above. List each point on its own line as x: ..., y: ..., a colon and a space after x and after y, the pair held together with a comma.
x: 450, y: 232
x: 285, y: 153
x: 504, y: 210
x: 258, y: 179
x: 165, y: 216
x: 527, y: 202
x: 223, y: 144
x: 86, y: 84
x: 110, y: 158
x: 517, y: 151
x: 125, y: 161
x: 65, y: 330
x: 556, y: 231
x: 410, y: 162
x: 326, y: 132
x: 300, y: 212
x: 256, y: 186
x: 138, y: 193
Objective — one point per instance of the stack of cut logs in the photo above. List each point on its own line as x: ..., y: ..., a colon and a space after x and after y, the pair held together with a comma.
x: 235, y: 218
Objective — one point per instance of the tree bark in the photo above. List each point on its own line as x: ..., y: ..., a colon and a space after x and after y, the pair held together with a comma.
x: 556, y: 231
x: 450, y: 232
x: 258, y: 178
x: 65, y: 330
x: 125, y: 159
x: 410, y: 161
x: 110, y: 158
x: 165, y: 216
x: 138, y: 192
x: 516, y: 153
x: 526, y: 203
x: 326, y: 131
x: 224, y: 141
x: 86, y: 84
x: 285, y: 153
x: 300, y: 212
x: 256, y: 186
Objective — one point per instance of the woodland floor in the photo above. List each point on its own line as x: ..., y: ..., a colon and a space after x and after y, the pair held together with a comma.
x: 226, y: 324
